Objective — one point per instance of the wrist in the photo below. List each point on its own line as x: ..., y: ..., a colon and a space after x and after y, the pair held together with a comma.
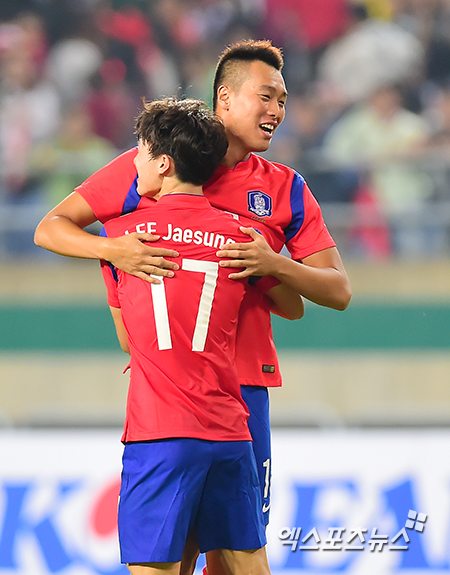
x: 105, y: 248
x: 285, y: 268
x: 277, y: 266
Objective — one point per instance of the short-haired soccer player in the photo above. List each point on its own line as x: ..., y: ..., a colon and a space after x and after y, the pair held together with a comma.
x: 188, y: 464
x: 250, y: 97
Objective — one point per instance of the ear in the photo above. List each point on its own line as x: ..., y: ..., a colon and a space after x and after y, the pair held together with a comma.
x: 165, y: 163
x: 223, y: 98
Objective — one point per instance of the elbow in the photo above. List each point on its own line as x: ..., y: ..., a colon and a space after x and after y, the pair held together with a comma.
x: 297, y: 314
x: 344, y: 299
x: 40, y: 235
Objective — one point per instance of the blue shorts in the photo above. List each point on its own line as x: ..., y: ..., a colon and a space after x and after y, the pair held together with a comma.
x: 257, y: 400
x: 175, y: 487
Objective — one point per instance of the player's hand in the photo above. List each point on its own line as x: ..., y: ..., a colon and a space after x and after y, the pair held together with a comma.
x: 131, y: 255
x: 257, y: 257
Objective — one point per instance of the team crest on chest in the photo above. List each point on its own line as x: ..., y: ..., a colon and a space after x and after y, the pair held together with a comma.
x: 259, y: 203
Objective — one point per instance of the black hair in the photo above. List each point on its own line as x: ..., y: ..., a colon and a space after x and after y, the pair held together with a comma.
x: 188, y: 132
x: 245, y: 51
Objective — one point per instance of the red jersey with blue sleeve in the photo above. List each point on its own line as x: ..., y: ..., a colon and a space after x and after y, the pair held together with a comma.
x: 181, y: 332
x: 275, y: 200
x: 112, y: 190
x: 270, y: 197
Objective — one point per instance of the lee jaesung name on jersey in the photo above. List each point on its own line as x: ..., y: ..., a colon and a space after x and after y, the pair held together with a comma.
x: 183, y: 235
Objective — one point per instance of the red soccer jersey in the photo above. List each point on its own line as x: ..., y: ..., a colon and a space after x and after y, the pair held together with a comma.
x: 181, y: 332
x: 270, y: 197
x: 276, y: 201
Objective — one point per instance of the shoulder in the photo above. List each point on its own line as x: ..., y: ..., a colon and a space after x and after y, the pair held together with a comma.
x: 225, y: 223
x: 125, y: 159
x: 119, y: 225
x: 222, y: 218
x: 120, y: 167
x: 272, y: 167
x: 279, y: 173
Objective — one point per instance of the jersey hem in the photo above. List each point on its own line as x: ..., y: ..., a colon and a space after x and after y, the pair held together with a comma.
x: 258, y: 383
x: 314, y: 250
x: 183, y: 435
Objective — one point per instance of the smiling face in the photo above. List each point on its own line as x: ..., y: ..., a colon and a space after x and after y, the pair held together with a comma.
x: 252, y: 109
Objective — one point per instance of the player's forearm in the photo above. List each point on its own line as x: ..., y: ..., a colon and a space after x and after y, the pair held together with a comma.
x: 61, y: 235
x: 120, y: 329
x: 286, y: 302
x: 327, y: 286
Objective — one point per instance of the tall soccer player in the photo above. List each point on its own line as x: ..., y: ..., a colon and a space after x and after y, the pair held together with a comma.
x: 250, y: 97
x: 188, y: 464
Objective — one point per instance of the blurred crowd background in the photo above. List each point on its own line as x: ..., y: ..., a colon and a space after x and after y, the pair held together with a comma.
x: 368, y: 112
x: 367, y: 124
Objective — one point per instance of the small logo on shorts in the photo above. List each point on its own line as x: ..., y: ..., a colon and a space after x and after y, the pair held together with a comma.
x: 268, y: 368
x: 259, y: 203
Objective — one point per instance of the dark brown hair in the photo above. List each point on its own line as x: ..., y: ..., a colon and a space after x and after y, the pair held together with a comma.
x: 188, y: 132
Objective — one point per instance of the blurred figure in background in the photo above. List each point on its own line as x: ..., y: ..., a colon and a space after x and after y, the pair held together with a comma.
x: 107, y: 54
x: 380, y: 140
x: 30, y: 110
x: 437, y: 113
x: 429, y: 21
x: 304, y: 29
x: 71, y: 157
x: 70, y: 65
x: 111, y: 103
x: 299, y: 143
x: 370, y: 54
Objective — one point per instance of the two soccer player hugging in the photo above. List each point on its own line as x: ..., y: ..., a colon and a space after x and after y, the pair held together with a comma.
x: 197, y: 457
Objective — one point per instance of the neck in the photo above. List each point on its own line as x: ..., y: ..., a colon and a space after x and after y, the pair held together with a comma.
x: 174, y: 186
x: 232, y: 158
x: 236, y: 151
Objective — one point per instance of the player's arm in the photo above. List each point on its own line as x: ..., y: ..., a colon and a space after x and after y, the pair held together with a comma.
x: 320, y: 277
x: 283, y: 300
x: 109, y: 274
x: 120, y: 328
x: 286, y: 302
x: 61, y: 231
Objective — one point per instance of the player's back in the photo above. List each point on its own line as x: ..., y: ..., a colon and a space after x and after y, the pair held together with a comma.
x: 182, y: 332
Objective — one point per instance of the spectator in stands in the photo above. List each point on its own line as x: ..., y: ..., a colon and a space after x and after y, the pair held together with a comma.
x: 380, y: 139
x: 71, y: 157
x: 29, y: 115
x: 29, y: 108
x: 370, y: 54
x: 107, y: 55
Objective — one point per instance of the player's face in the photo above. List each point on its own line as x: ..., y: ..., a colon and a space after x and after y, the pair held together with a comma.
x: 149, y: 178
x: 256, y: 110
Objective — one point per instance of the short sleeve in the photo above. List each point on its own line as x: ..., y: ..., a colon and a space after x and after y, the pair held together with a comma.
x: 307, y: 232
x: 109, y: 190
